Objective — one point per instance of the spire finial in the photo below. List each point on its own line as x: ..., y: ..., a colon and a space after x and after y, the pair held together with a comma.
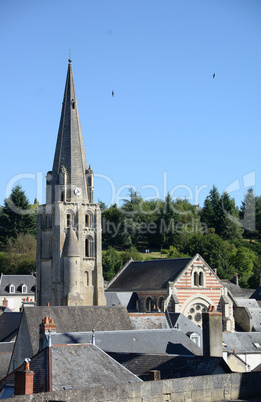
x: 70, y: 60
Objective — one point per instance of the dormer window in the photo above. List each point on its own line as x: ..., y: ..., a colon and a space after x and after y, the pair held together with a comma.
x: 12, y: 288
x: 194, y: 337
x: 24, y: 288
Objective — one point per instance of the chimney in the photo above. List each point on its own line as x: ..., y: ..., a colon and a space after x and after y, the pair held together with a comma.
x: 215, y: 271
x: 212, y: 333
x: 235, y: 279
x: 5, y: 302
x: 24, y: 380
x: 46, y: 327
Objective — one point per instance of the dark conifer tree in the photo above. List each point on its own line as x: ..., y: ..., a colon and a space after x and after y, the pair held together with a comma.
x: 17, y: 216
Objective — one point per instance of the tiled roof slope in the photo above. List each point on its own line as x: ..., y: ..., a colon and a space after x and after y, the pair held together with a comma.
x: 9, y: 324
x: 124, y: 299
x: 181, y: 322
x: 75, y: 366
x: 154, y: 274
x: 149, y: 320
x: 257, y: 293
x: 86, y: 365
x: 242, y: 342
x: 6, y: 349
x: 67, y: 319
x: 172, y: 366
x: 169, y: 341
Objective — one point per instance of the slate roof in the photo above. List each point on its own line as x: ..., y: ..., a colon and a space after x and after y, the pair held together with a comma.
x: 242, y: 342
x: 74, y: 366
x: 149, y: 320
x: 257, y: 294
x: 17, y: 281
x: 6, y: 349
x: 67, y: 319
x: 9, y: 324
x: 256, y: 318
x: 236, y: 290
x: 124, y: 299
x: 136, y: 341
x: 249, y: 303
x: 153, y: 274
x: 172, y: 366
x: 81, y: 366
x: 182, y: 323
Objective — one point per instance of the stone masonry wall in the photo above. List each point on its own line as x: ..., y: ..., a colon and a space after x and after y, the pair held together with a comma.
x: 191, y: 389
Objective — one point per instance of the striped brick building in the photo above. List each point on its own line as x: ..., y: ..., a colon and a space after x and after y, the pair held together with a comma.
x: 185, y: 285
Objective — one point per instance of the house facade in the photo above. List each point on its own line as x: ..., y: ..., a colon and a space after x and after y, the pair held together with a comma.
x: 16, y: 290
x: 183, y: 285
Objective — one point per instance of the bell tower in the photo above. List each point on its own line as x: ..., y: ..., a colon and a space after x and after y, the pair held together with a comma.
x: 69, y: 257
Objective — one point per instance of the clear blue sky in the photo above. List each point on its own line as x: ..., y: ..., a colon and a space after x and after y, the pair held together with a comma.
x: 170, y: 126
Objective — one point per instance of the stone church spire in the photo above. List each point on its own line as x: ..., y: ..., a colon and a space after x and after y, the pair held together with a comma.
x: 69, y: 256
x: 70, y: 178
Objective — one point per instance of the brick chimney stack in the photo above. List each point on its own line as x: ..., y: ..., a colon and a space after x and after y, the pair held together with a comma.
x: 212, y: 333
x: 24, y: 380
x: 5, y: 302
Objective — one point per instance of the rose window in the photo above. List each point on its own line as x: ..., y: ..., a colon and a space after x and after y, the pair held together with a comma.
x: 195, y: 313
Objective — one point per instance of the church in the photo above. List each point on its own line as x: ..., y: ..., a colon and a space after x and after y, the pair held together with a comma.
x: 69, y: 248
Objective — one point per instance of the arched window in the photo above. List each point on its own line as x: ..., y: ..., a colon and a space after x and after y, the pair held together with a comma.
x: 195, y: 276
x: 161, y: 304
x: 87, y: 248
x: 148, y: 303
x: 87, y: 220
x: 200, y: 279
x: 68, y: 220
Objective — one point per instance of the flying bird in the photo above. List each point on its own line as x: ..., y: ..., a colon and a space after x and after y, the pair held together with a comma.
x: 214, y: 75
x: 112, y: 93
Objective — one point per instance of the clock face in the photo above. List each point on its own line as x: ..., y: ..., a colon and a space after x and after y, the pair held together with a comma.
x: 78, y: 191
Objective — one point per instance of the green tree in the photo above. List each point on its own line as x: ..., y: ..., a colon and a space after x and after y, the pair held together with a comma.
x: 20, y: 254
x: 214, y: 250
x: 17, y: 216
x: 114, y: 230
x: 111, y: 262
x: 248, y: 214
x: 212, y: 211
x: 133, y: 253
x: 244, y: 261
x: 174, y: 253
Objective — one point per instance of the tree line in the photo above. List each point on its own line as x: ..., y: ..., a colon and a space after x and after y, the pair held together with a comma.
x: 228, y: 237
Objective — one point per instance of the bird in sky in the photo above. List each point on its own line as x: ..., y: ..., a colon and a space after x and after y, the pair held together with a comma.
x: 112, y: 93
x: 214, y: 75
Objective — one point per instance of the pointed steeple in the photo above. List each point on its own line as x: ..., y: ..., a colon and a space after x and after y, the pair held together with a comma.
x: 68, y: 177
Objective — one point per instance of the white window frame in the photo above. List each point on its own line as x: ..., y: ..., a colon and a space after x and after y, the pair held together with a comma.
x: 24, y: 288
x: 12, y: 288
